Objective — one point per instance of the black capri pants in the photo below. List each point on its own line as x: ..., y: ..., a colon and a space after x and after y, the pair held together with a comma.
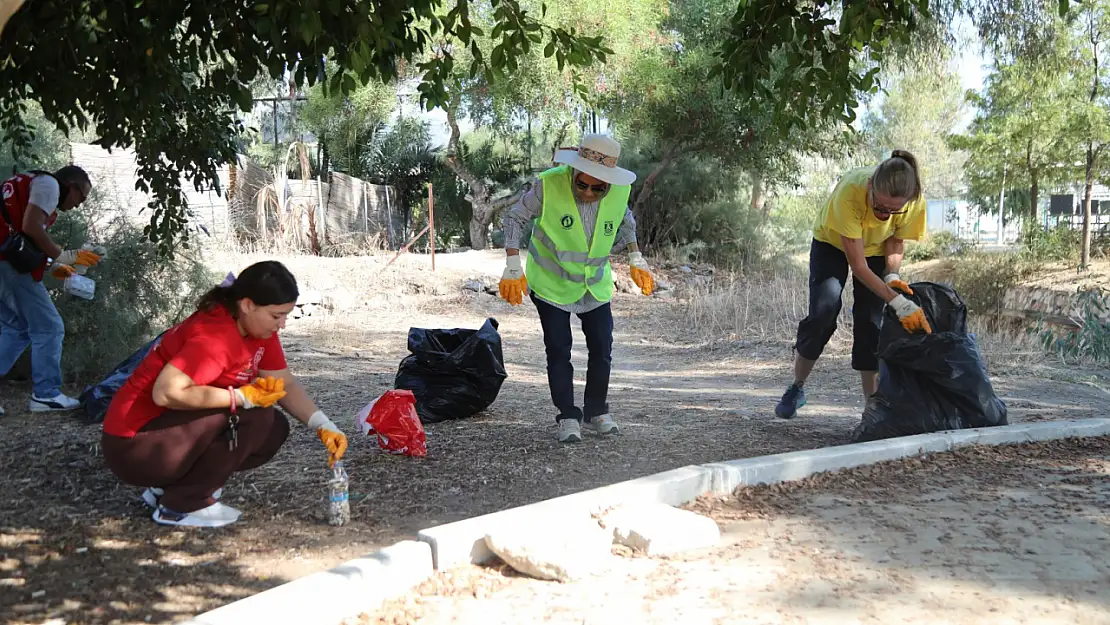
x: 828, y: 271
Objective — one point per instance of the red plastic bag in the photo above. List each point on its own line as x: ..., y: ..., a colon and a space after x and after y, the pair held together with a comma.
x: 393, y: 418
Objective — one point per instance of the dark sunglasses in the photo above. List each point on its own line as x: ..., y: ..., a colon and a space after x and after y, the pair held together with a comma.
x: 596, y: 188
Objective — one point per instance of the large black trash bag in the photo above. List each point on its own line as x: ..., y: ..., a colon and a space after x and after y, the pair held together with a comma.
x: 98, y: 397
x: 454, y: 374
x: 930, y: 382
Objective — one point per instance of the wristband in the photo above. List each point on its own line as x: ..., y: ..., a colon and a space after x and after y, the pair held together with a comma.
x: 231, y: 394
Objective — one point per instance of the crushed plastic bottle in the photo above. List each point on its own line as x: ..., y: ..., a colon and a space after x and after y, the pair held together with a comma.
x: 79, y: 286
x: 339, y: 505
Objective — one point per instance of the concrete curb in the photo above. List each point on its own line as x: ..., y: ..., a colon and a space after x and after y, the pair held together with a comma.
x: 328, y: 597
x: 362, y: 585
x: 463, y: 542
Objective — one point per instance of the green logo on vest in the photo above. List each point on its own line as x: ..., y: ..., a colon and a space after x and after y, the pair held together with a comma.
x: 567, y: 222
x: 608, y: 228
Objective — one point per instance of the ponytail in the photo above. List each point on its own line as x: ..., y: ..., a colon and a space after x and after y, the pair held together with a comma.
x: 267, y: 283
x: 898, y: 176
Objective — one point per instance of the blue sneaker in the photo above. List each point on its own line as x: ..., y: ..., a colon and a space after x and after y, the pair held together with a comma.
x: 793, y: 399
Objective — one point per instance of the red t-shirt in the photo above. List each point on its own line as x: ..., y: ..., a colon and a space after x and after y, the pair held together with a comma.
x: 209, y: 349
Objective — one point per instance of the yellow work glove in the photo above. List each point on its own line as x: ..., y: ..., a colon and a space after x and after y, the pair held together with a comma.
x: 330, y: 436
x: 62, y: 272
x: 895, y: 282
x: 513, y: 283
x: 641, y: 273
x: 910, y: 314
x: 262, y: 393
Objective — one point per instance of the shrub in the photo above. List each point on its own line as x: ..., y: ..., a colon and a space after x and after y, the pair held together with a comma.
x: 1092, y: 340
x: 139, y: 294
x: 939, y: 244
x: 1051, y: 244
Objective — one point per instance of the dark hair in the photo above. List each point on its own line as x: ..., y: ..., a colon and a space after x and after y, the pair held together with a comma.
x: 267, y: 283
x: 72, y: 174
x: 898, y: 176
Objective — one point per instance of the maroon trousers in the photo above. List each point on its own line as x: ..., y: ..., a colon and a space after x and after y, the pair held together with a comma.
x: 187, y: 454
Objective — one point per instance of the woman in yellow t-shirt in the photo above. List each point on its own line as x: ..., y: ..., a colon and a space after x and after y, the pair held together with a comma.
x: 862, y: 227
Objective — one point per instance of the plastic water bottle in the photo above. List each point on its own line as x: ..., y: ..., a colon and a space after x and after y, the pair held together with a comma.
x: 339, y: 504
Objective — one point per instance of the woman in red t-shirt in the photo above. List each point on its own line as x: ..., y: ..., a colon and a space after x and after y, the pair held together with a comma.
x: 199, y: 407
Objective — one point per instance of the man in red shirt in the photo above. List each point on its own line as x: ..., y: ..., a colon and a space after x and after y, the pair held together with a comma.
x: 28, y: 318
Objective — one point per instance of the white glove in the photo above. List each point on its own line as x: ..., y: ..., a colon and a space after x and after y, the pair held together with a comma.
x: 891, y: 277
x: 320, y: 420
x: 636, y: 259
x: 67, y: 257
x: 513, y: 270
x: 903, y: 306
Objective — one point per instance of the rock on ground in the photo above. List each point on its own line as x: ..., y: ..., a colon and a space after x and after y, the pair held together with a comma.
x: 562, y: 552
x: 657, y: 529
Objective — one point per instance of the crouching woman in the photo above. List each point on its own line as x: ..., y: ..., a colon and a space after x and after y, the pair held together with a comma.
x: 200, y: 406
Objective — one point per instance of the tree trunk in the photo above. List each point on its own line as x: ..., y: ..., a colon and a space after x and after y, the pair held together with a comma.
x: 1085, y: 254
x: 759, y: 195
x: 1034, y: 192
x: 480, y: 217
x: 649, y: 184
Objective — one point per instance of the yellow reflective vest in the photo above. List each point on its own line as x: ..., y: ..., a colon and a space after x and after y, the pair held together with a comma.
x: 562, y: 264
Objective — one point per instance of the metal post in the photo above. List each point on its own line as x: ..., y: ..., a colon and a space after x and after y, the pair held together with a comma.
x: 431, y: 226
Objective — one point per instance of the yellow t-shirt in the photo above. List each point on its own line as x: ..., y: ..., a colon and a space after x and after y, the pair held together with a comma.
x: 848, y: 212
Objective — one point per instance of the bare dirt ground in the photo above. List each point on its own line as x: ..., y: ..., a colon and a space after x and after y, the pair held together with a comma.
x: 76, y: 546
x: 1017, y: 534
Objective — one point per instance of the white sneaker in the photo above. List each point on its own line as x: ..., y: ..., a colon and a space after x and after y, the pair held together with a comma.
x: 215, y: 515
x: 59, y: 402
x: 151, y: 496
x: 603, y: 424
x: 1, y: 411
x: 569, y: 431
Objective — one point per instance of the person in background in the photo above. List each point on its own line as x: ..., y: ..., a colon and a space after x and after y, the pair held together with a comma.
x: 581, y: 214
x: 199, y: 407
x: 28, y: 318
x: 862, y: 227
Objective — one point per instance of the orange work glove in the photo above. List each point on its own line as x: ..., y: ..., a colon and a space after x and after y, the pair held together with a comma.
x: 513, y: 283
x: 910, y: 314
x: 262, y: 393
x: 641, y: 273
x: 62, y: 272
x: 330, y: 436
x: 895, y: 282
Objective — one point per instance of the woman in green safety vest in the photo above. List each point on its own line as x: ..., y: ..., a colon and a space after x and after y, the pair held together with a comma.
x: 580, y: 210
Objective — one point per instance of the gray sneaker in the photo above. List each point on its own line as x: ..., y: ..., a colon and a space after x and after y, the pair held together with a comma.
x: 570, y: 431
x: 603, y: 425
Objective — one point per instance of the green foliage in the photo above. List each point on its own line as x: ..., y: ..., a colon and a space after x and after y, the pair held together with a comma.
x: 1091, y: 342
x: 47, y: 150
x: 924, y: 104
x: 982, y: 278
x: 189, y: 65
x: 347, y: 125
x: 1050, y: 244
x: 940, y: 244
x: 139, y: 293
x: 402, y: 156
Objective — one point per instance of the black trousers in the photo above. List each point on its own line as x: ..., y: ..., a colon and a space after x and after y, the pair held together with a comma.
x: 597, y: 325
x: 828, y: 273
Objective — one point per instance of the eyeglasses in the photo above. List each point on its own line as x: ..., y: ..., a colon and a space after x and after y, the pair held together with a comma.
x: 883, y: 210
x: 598, y: 189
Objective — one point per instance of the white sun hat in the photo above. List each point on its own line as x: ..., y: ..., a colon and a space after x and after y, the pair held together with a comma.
x: 597, y: 156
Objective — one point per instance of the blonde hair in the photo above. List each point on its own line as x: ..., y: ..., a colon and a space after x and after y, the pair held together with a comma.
x: 897, y: 176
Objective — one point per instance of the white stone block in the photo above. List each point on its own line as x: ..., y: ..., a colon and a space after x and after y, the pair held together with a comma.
x: 657, y: 529
x: 561, y: 552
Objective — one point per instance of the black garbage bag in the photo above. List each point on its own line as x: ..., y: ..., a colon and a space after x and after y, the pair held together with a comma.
x: 96, y: 398
x: 454, y: 374
x: 930, y: 382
